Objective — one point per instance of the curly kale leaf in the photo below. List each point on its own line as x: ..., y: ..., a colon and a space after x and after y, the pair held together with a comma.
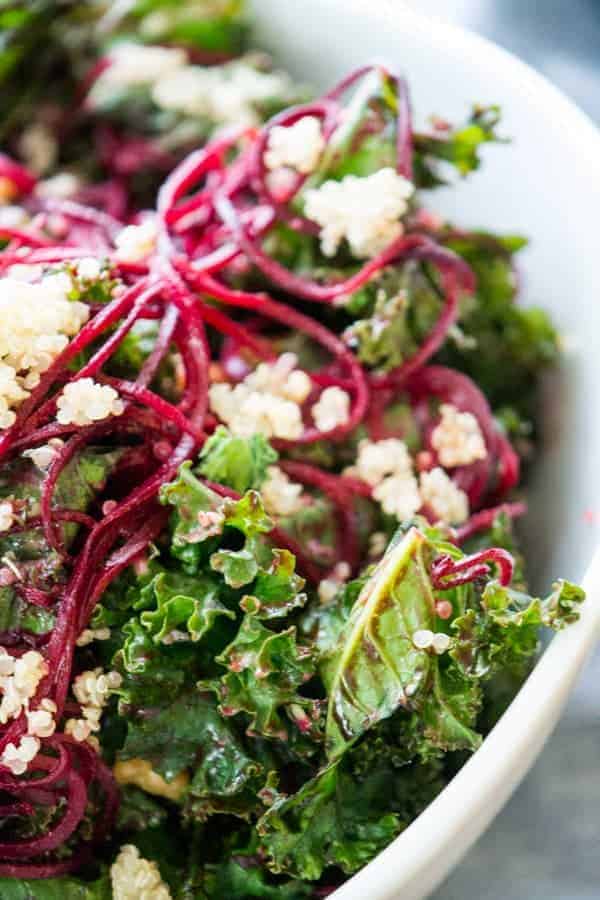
x: 346, y: 814
x: 458, y: 147
x: 501, y: 634
x: 265, y: 671
x: 394, y: 313
x: 277, y: 590
x: 173, y: 737
x: 55, y: 889
x: 177, y: 600
x: 239, y: 879
x: 238, y: 463
x: 505, y: 346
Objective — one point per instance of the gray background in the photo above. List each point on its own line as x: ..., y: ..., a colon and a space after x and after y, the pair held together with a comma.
x: 546, y: 843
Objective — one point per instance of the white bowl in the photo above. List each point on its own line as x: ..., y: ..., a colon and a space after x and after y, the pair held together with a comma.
x: 545, y: 184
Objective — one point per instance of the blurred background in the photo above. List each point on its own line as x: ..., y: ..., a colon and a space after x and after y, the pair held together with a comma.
x: 546, y: 843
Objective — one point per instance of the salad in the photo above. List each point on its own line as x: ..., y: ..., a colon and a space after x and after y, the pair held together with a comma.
x: 264, y: 419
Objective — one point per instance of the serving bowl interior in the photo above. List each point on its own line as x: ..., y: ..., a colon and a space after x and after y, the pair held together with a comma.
x: 544, y: 183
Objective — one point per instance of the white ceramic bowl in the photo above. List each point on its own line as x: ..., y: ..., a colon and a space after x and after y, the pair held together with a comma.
x: 545, y: 184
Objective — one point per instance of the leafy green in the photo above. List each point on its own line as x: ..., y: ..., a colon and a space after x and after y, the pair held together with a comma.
x: 55, y: 889
x: 177, y: 600
x: 395, y: 311
x: 505, y: 345
x: 238, y: 463
x: 277, y: 590
x: 346, y: 814
x: 266, y: 669
x: 138, y: 810
x: 375, y: 667
x: 458, y: 147
x: 502, y: 634
x: 240, y: 880
x: 173, y: 737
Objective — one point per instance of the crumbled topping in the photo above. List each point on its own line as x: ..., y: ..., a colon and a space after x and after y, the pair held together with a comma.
x: 93, y: 687
x: 89, y: 635
x: 134, y: 65
x: 89, y: 268
x: 92, y: 690
x: 40, y: 722
x: 43, y: 456
x: 329, y: 586
x: 61, y: 186
x: 267, y: 400
x: 85, y: 401
x: 136, y: 878
x: 378, y: 459
x: 377, y: 544
x: 443, y: 497
x: 388, y: 467
x: 6, y: 515
x: 365, y: 211
x: 37, y: 321
x: 17, y: 757
x: 19, y: 680
x: 298, y: 146
x: 13, y: 216
x: 227, y: 94
x: 332, y: 409
x: 38, y: 147
x: 399, y: 495
x: 457, y: 438
x: 282, y: 378
x: 136, y: 242
x: 79, y: 729
x: 281, y: 496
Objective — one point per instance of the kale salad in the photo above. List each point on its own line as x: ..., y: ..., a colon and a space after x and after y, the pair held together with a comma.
x: 265, y: 417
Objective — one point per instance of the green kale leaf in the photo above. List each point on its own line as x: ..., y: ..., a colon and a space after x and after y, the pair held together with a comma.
x: 55, y: 889
x: 504, y: 346
x: 265, y: 671
x: 346, y: 814
x: 238, y: 463
x: 458, y: 147
x: 177, y: 600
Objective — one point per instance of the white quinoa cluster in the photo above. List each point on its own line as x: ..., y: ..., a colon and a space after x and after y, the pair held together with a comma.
x: 134, y: 243
x: 298, y: 146
x: 281, y: 496
x: 136, y: 878
x: 37, y: 321
x: 332, y: 409
x: 365, y: 211
x: 92, y: 690
x: 457, y: 438
x: 227, y: 94
x: 443, y: 497
x: 387, y: 467
x: 268, y: 400
x: 19, y: 681
x: 84, y: 401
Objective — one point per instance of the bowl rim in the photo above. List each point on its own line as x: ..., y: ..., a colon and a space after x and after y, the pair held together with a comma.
x: 417, y: 861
